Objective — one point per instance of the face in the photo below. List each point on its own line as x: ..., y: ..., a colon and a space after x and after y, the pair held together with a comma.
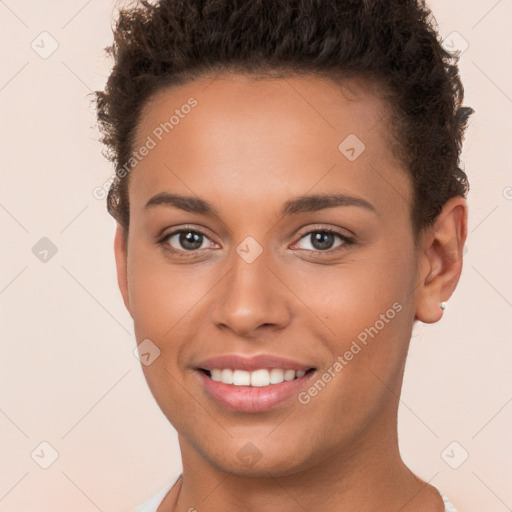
x: 269, y: 219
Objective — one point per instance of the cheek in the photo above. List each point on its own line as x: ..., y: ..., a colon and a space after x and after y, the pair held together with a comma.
x: 162, y: 302
x: 351, y: 295
x: 150, y: 299
x: 161, y: 294
x: 368, y: 310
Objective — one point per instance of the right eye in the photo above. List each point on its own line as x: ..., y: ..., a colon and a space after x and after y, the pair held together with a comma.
x: 184, y: 240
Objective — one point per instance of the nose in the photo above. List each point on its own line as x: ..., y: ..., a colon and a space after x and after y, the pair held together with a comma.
x: 252, y: 298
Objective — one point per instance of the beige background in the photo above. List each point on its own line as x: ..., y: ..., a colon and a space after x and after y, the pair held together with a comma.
x: 68, y: 373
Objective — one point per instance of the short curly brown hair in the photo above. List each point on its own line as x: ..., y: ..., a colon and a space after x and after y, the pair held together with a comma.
x: 392, y: 43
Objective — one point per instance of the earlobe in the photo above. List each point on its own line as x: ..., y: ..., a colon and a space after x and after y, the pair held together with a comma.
x: 440, y: 264
x: 120, y: 251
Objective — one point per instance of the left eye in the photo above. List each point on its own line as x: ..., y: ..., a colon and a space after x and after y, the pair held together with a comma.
x: 323, y: 240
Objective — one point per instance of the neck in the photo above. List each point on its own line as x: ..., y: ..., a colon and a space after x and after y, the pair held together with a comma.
x: 366, y: 475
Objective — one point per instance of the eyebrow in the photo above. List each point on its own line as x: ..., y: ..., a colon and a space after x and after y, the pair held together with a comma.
x: 301, y: 204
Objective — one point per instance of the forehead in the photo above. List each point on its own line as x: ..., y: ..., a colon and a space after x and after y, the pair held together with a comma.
x: 257, y: 137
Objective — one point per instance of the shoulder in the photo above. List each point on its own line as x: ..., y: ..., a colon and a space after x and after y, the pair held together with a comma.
x: 448, y: 507
x: 151, y: 505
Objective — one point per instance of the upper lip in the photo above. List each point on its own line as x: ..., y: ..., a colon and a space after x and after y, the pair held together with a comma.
x: 240, y: 362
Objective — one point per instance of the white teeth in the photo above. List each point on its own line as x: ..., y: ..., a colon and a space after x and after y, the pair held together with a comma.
x: 241, y: 378
x: 257, y: 378
x: 216, y: 374
x: 289, y: 375
x: 260, y: 378
x: 226, y: 376
x: 276, y: 376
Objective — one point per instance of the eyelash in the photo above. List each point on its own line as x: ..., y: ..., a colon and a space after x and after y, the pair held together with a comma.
x: 347, y: 241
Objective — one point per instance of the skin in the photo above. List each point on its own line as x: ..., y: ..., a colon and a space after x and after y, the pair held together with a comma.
x: 247, y: 148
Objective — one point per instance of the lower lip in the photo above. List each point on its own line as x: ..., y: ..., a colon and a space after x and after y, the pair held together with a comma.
x: 253, y: 398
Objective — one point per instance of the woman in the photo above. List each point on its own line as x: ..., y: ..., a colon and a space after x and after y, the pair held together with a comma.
x: 289, y: 203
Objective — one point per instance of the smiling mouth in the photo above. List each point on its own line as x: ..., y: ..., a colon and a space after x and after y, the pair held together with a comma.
x: 256, y: 378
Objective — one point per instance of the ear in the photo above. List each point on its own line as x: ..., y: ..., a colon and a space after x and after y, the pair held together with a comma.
x: 440, y: 259
x: 120, y: 251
